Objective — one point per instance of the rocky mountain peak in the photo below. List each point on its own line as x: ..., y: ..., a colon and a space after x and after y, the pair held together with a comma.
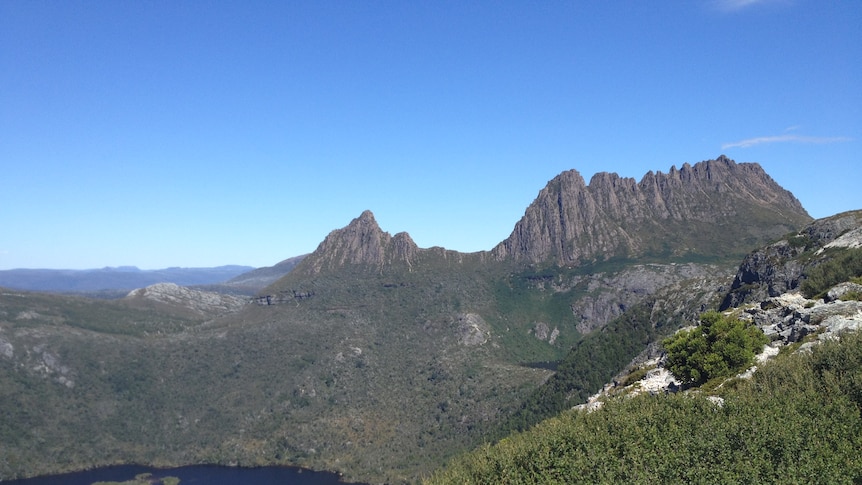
x: 361, y: 242
x: 692, y: 211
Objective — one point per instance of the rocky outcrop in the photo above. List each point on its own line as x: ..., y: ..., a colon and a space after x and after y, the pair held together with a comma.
x: 788, y: 318
x: 472, y: 330
x: 766, y: 272
x: 608, y: 295
x: 780, y: 266
x: 694, y: 210
x: 204, y: 303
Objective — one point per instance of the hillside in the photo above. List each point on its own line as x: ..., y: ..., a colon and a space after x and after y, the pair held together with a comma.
x: 373, y: 356
x: 796, y: 421
x: 795, y: 417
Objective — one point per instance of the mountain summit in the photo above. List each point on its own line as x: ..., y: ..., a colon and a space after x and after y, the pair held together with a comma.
x: 693, y: 211
x: 362, y: 242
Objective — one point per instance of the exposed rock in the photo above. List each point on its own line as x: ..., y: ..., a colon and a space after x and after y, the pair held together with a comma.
x: 6, y: 348
x: 554, y: 334
x: 362, y: 242
x: 541, y: 330
x: 823, y: 232
x: 571, y: 223
x: 656, y: 381
x: 787, y: 318
x: 779, y: 267
x: 850, y: 239
x: 49, y: 365
x: 790, y: 317
x: 843, y: 289
x: 201, y: 302
x: 608, y: 295
x: 472, y: 330
x: 765, y: 273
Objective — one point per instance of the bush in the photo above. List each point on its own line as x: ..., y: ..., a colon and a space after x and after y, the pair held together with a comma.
x: 719, y: 347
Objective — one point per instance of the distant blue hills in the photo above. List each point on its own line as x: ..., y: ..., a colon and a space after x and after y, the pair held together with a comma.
x: 113, y: 279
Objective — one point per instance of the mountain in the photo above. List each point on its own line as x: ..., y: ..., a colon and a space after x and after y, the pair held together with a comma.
x: 375, y: 357
x: 687, y: 213
x: 113, y: 281
x: 362, y: 242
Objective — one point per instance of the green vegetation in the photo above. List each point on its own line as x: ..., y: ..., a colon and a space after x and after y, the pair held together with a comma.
x: 525, y: 298
x: 372, y: 376
x: 844, y: 265
x: 597, y: 358
x: 798, y: 420
x: 719, y: 347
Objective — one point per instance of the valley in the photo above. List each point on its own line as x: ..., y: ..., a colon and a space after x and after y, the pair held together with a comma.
x: 374, y: 357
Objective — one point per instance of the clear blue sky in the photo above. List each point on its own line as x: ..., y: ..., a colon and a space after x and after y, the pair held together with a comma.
x: 200, y: 133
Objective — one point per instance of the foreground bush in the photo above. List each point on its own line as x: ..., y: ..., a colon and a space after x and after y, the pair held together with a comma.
x: 719, y: 347
x: 796, y: 421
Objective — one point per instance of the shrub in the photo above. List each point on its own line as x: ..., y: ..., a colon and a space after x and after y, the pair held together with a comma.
x: 719, y: 347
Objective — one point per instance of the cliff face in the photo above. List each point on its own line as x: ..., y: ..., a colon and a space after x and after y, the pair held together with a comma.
x: 779, y: 267
x: 691, y: 211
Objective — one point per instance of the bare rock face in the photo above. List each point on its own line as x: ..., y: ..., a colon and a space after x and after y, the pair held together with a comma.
x: 202, y: 302
x: 362, y: 242
x: 766, y: 272
x: 472, y: 330
x: 778, y: 267
x: 694, y: 210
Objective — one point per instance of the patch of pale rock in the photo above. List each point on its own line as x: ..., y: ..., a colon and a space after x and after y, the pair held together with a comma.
x: 199, y: 301
x: 850, y: 239
x: 786, y: 318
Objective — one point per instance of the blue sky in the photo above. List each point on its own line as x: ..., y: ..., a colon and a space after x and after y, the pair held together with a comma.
x: 199, y: 133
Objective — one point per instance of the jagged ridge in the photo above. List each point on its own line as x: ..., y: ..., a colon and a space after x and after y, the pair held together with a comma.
x: 361, y: 242
x: 686, y: 212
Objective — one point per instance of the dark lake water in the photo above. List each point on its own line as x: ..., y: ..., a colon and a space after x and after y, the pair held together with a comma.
x: 197, y: 474
x: 548, y: 365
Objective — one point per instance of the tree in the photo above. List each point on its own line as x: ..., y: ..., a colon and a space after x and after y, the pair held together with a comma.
x: 719, y: 347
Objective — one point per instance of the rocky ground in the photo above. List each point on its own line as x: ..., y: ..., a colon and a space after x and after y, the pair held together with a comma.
x: 787, y: 319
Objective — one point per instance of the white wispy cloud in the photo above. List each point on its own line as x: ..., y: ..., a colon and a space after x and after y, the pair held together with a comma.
x: 786, y: 138
x: 735, y: 5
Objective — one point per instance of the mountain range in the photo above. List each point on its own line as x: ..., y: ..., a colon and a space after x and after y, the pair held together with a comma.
x: 375, y: 357
x: 113, y: 281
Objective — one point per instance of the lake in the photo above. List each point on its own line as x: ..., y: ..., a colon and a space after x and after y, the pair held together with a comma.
x: 195, y: 474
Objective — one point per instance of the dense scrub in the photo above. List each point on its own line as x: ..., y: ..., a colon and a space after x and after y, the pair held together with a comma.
x: 599, y: 356
x: 719, y: 347
x: 588, y: 365
x: 845, y: 265
x: 796, y: 421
